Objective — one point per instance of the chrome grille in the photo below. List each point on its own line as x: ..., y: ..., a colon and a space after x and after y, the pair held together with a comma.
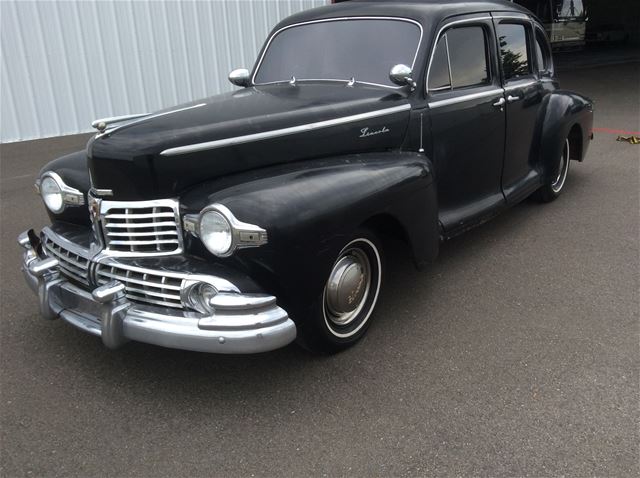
x: 142, y: 285
x: 74, y: 266
x: 141, y: 227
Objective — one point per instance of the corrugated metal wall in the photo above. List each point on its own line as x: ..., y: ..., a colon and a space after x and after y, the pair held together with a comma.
x: 66, y: 63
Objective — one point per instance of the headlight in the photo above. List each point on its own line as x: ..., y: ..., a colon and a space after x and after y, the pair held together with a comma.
x: 56, y: 194
x: 216, y: 233
x: 221, y: 232
x: 51, y: 193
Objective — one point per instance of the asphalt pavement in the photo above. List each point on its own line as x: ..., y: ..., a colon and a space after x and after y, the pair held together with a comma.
x: 516, y: 353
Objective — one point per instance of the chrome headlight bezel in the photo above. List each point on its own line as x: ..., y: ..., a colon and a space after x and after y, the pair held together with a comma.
x: 68, y: 196
x: 242, y: 234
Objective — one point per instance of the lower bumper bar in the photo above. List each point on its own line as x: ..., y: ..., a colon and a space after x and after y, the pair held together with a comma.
x: 248, y: 324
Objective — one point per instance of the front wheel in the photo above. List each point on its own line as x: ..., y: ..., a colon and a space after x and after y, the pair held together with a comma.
x: 342, y: 312
x: 553, y: 188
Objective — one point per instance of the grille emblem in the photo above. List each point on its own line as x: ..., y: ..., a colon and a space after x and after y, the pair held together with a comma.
x: 94, y: 208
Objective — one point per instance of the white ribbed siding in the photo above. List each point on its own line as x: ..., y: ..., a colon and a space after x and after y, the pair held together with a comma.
x: 64, y: 64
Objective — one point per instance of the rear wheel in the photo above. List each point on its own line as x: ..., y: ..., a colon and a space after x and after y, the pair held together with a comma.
x: 552, y: 190
x: 342, y: 313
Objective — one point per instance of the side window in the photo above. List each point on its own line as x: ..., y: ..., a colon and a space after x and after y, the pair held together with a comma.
x: 512, y: 39
x: 543, y: 57
x: 468, y: 56
x: 460, y: 60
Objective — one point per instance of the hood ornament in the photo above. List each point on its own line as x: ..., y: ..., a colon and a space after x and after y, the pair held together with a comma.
x: 101, y: 124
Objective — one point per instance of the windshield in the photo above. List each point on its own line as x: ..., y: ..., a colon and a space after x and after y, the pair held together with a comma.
x: 363, y: 49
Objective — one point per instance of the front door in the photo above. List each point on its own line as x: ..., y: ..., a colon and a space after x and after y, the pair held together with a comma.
x: 524, y: 94
x: 467, y: 123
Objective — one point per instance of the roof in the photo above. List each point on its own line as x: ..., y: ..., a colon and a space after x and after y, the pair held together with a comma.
x: 427, y: 12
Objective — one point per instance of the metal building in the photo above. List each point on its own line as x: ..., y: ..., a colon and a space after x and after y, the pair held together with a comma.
x: 64, y: 64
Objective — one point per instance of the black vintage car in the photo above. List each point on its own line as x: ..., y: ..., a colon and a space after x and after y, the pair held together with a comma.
x: 240, y: 222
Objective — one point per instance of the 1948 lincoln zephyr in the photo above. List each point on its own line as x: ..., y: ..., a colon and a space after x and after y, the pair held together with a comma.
x: 243, y: 221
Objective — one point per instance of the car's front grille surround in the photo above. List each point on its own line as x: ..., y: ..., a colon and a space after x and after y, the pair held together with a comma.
x: 142, y: 285
x: 139, y: 228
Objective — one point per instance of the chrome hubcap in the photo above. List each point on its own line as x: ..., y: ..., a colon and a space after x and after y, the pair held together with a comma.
x: 348, y: 286
x: 563, y: 169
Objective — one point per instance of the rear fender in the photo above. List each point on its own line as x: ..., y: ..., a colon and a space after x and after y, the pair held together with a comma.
x: 566, y: 114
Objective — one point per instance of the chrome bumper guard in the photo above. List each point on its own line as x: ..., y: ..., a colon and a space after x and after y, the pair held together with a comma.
x: 241, y: 323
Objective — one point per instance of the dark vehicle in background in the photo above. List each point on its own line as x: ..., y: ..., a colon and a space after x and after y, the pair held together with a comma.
x: 240, y: 222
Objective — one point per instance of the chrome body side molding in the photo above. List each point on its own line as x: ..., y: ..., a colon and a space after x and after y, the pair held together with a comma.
x: 462, y: 99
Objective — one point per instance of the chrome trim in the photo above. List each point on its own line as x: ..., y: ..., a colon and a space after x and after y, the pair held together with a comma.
x: 324, y: 20
x: 511, y: 99
x: 243, y: 235
x: 401, y: 75
x: 521, y: 85
x: 145, y: 118
x: 446, y: 42
x: 512, y: 16
x: 462, y: 99
x: 219, y: 143
x: 70, y: 196
x: 240, y: 77
x: 88, y: 268
x: 123, y: 234
x: 437, y: 37
x: 240, y: 323
x: 101, y: 192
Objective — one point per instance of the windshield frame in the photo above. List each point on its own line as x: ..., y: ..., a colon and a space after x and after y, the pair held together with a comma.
x: 337, y: 19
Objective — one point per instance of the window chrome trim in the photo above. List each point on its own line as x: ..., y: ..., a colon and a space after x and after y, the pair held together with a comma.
x: 435, y: 44
x: 337, y: 19
x: 462, y: 99
x: 248, y: 138
x: 512, y: 16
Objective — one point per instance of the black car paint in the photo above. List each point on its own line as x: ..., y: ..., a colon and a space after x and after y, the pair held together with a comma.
x: 129, y: 160
x: 312, y: 190
x: 311, y: 207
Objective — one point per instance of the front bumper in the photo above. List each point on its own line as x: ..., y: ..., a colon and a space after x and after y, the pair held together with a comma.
x: 241, y: 323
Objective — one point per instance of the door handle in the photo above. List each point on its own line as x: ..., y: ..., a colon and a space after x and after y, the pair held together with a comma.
x: 500, y: 103
x: 511, y: 99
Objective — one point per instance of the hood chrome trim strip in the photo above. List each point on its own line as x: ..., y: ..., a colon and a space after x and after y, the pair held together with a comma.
x: 219, y: 143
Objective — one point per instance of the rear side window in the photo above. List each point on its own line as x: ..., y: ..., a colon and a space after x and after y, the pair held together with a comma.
x: 460, y: 60
x: 512, y: 39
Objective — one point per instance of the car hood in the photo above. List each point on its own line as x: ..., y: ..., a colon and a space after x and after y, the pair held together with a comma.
x: 162, y: 154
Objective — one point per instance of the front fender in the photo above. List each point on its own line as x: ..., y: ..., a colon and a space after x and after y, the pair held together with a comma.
x: 564, y: 111
x: 309, y: 209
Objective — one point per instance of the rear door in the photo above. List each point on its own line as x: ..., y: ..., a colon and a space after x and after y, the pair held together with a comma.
x: 524, y: 94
